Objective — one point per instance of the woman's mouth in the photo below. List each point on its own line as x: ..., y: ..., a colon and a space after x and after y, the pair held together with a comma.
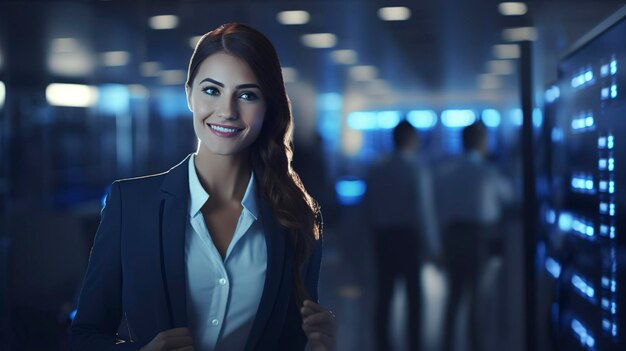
x: 224, y: 131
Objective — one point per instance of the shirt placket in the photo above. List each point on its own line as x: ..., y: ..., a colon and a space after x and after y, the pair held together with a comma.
x: 220, y: 285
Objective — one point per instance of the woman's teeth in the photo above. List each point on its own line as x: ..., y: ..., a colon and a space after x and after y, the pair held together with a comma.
x: 223, y: 129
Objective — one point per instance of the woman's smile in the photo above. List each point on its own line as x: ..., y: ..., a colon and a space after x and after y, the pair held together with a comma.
x: 224, y: 131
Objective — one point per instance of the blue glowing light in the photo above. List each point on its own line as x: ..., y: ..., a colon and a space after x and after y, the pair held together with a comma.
x: 613, y: 67
x: 172, y: 102
x: 613, y: 91
x: 490, y: 117
x: 581, y: 227
x: 582, y: 123
x: 553, y: 267
x: 582, y: 183
x: 373, y: 120
x: 72, y: 315
x: 388, y: 119
x: 537, y: 117
x: 578, y: 81
x: 362, y: 120
x: 457, y: 118
x: 552, y: 94
x: 565, y: 222
x: 585, y: 338
x: 350, y: 191
x: 557, y: 135
x: 550, y: 217
x: 330, y: 101
x: 422, y: 119
x: 329, y: 106
x: 517, y: 117
x: 583, y: 286
x: 113, y: 99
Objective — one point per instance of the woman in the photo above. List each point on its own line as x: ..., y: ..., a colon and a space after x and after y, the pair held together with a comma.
x: 222, y: 252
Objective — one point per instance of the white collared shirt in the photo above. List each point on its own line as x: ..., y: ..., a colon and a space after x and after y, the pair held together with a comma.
x: 223, y: 295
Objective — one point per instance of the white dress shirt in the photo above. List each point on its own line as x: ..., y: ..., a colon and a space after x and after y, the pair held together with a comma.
x: 223, y: 295
x: 470, y: 189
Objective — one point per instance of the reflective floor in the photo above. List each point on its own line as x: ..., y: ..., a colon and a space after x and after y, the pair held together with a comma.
x: 348, y: 284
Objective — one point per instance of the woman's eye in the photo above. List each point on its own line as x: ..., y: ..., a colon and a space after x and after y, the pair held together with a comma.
x: 210, y: 91
x: 249, y: 96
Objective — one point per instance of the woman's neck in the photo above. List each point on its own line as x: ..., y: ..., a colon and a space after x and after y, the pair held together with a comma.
x: 224, y: 177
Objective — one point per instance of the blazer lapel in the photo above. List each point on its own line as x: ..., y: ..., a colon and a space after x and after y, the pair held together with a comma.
x: 276, y: 256
x: 172, y: 234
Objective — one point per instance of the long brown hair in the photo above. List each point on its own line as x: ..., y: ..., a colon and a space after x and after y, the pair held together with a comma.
x: 272, y: 152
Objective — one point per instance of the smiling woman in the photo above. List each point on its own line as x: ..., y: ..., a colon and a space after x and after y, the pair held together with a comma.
x: 223, y: 251
x: 227, y: 104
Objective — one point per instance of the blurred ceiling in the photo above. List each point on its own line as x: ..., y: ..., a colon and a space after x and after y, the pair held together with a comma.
x: 437, y: 55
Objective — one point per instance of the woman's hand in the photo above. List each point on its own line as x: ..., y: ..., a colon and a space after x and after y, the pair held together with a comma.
x: 319, y: 325
x: 178, y: 339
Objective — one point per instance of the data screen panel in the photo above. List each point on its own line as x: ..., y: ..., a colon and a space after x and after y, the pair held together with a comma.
x: 586, y: 209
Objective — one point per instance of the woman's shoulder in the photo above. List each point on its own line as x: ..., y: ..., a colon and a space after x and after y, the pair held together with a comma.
x: 154, y: 182
x: 149, y: 180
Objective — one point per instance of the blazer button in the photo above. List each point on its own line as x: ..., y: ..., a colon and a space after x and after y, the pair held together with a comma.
x: 215, y: 322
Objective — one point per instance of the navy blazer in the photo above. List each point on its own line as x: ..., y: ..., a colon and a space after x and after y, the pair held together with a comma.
x: 137, y: 271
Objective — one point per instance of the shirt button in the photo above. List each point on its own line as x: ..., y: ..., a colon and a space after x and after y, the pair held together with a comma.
x: 222, y: 281
x: 215, y: 322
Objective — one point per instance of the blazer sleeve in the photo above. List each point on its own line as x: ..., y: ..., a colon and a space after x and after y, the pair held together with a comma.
x: 100, y: 303
x: 292, y: 336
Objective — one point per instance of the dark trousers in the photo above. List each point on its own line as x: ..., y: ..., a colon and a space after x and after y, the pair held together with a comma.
x: 464, y: 245
x: 397, y: 254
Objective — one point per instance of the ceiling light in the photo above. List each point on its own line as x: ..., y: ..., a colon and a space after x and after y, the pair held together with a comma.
x: 488, y: 81
x: 73, y: 95
x: 363, y: 73
x: 67, y: 57
x: 293, y: 17
x: 115, y: 58
x: 520, y: 34
x: 512, y: 8
x: 193, y: 41
x: 500, y: 67
x: 319, y: 40
x: 150, y: 69
x: 345, y: 57
x: 457, y: 118
x: 398, y: 13
x: 64, y: 45
x: 78, y: 64
x: 506, y: 51
x: 163, y: 22
x: 290, y: 74
x: 173, y: 77
x: 490, y: 117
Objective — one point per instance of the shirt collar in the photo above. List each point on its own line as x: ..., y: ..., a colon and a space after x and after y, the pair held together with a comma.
x: 198, y: 196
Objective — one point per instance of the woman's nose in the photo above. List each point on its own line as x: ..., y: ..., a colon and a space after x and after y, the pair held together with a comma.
x: 227, y: 109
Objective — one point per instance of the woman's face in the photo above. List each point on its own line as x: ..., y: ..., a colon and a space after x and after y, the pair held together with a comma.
x: 227, y: 104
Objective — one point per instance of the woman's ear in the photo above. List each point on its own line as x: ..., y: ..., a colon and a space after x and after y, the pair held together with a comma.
x: 188, y: 93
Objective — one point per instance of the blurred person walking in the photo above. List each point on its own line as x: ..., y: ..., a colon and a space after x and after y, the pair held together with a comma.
x: 399, y: 208
x: 470, y: 195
